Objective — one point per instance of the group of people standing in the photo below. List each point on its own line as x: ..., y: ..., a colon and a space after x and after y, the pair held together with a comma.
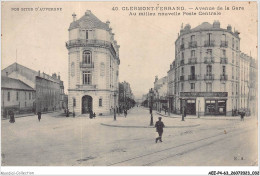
x: 119, y: 110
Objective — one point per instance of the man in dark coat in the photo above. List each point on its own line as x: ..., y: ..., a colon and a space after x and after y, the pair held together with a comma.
x: 39, y: 115
x: 159, y: 125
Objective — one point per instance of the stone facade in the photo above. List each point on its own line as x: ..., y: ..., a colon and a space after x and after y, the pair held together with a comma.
x: 206, y: 60
x: 93, y: 58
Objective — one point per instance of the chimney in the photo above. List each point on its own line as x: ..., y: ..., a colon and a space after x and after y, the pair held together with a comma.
x: 88, y: 12
x: 74, y: 17
x: 39, y: 73
x: 229, y: 28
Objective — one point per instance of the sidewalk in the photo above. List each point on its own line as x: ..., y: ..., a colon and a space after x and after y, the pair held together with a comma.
x: 204, y: 117
x: 32, y: 114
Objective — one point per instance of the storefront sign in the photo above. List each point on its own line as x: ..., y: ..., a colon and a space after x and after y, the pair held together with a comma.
x: 203, y: 94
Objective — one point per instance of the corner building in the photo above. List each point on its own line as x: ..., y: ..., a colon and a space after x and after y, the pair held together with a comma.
x: 206, y: 70
x: 93, y: 56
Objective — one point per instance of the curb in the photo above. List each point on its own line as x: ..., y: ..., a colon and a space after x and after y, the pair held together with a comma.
x: 123, y: 126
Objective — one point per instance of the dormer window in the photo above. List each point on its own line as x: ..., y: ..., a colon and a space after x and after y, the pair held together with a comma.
x: 87, y: 59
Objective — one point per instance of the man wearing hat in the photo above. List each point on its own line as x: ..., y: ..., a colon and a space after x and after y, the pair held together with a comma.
x: 159, y: 128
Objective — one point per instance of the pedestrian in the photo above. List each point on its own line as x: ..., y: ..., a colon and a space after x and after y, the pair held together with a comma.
x: 11, y: 115
x: 242, y: 115
x: 94, y: 115
x: 90, y: 114
x: 39, y: 115
x: 125, y: 113
x: 165, y: 111
x: 159, y: 125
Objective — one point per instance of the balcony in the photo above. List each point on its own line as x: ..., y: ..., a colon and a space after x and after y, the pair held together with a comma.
x: 182, y: 47
x: 86, y: 86
x: 86, y: 65
x: 224, y: 44
x: 210, y: 43
x: 193, y: 60
x: 91, y: 43
x: 181, y: 78
x: 182, y: 62
x: 192, y: 77
x: 193, y: 44
x: 223, y: 77
x: 209, y: 77
x: 223, y: 60
x: 208, y: 60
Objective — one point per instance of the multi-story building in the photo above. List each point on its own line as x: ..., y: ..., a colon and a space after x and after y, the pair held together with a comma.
x: 253, y: 86
x: 93, y: 58
x: 171, y: 91
x: 248, y: 83
x: 206, y: 70
x: 16, y: 96
x: 160, y: 92
x: 47, y: 88
x: 126, y: 97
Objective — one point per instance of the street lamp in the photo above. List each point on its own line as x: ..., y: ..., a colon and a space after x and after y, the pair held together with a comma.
x: 151, y: 105
x: 114, y: 105
x: 199, y: 109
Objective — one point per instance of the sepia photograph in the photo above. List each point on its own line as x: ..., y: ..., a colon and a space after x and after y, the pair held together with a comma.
x: 129, y: 83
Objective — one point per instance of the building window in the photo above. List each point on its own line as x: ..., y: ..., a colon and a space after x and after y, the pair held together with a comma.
x: 29, y: 95
x: 87, y: 57
x: 192, y: 86
x: 232, y: 57
x: 209, y: 52
x: 224, y: 53
x: 192, y: 38
x: 86, y: 77
x: 86, y: 34
x: 100, y: 102
x: 182, y: 87
x: 192, y: 70
x: 25, y: 95
x: 25, y: 104
x: 209, y: 69
x: 182, y: 71
x: 236, y: 44
x: 232, y: 42
x: 72, y: 69
x: 17, y: 96
x: 193, y: 53
x: 74, y: 102
x: 223, y: 37
x: 102, y: 69
x: 182, y: 55
x: 232, y: 90
x: 8, y: 96
x: 209, y: 37
x: 208, y: 87
x: 224, y: 70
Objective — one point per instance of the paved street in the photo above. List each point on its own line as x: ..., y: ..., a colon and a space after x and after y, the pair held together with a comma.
x: 59, y: 141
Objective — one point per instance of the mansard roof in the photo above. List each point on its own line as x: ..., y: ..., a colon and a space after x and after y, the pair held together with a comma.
x: 89, y: 21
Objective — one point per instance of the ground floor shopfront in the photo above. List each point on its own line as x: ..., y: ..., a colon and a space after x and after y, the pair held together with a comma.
x: 201, y: 103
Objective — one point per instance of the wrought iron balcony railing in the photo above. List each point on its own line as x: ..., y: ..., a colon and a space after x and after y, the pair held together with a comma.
x: 208, y: 60
x: 223, y: 77
x: 193, y: 44
x: 192, y: 77
x: 223, y: 60
x: 210, y: 43
x: 209, y: 77
x: 193, y: 60
x: 88, y: 42
x: 224, y: 44
x: 86, y: 65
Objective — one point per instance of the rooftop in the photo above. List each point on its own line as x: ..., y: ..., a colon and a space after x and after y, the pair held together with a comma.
x: 10, y: 83
x: 90, y: 21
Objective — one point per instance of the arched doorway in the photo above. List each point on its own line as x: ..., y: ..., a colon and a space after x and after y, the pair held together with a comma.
x: 86, y: 104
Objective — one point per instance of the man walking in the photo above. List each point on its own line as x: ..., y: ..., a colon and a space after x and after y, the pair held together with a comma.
x: 39, y: 115
x: 159, y: 128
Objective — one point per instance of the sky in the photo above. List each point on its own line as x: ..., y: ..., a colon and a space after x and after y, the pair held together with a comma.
x: 146, y: 42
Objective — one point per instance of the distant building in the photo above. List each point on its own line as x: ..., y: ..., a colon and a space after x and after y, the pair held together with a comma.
x: 16, y: 96
x: 126, y: 97
x: 160, y: 91
x: 93, y: 58
x: 47, y: 88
